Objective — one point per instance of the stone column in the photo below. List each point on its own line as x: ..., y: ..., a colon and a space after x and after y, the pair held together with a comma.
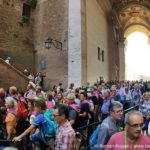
x: 83, y: 43
x: 121, y: 47
x: 74, y: 43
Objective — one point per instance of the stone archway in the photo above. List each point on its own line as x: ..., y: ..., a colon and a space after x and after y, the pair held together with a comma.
x: 135, y: 28
x: 143, y: 33
x: 123, y: 43
x: 131, y: 16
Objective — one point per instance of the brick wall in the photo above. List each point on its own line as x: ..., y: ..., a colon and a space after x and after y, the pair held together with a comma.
x: 16, y: 38
x: 51, y: 20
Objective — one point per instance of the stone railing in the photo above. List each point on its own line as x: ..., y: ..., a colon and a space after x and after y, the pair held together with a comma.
x: 9, y: 76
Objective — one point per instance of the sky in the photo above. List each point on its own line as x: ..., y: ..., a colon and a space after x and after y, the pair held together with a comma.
x: 137, y: 56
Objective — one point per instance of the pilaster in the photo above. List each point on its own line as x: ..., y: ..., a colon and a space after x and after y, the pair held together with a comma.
x: 121, y: 47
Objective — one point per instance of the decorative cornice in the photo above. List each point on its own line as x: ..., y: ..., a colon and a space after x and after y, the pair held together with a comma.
x: 118, y: 5
x: 131, y: 12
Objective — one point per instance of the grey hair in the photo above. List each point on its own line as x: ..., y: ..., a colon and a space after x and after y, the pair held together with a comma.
x: 11, y: 101
x: 71, y: 96
x: 113, y: 87
x: 105, y: 91
x: 114, y: 104
x: 134, y: 112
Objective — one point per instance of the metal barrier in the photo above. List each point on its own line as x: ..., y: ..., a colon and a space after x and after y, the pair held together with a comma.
x: 4, y: 140
x: 130, y: 109
x: 89, y: 125
x: 98, y: 122
x: 86, y: 126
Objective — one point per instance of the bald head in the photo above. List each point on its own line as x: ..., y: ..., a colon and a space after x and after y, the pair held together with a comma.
x: 132, y: 115
x: 134, y: 124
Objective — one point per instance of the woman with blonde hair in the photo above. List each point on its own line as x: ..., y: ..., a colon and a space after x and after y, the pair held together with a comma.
x: 11, y: 117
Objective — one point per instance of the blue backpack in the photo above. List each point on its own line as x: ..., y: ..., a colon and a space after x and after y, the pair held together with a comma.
x: 94, y: 138
x: 52, y: 126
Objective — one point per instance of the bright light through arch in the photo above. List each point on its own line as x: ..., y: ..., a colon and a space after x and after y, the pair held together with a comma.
x: 137, y: 57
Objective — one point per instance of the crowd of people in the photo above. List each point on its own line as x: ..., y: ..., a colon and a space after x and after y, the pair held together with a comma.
x: 35, y: 78
x: 55, y: 119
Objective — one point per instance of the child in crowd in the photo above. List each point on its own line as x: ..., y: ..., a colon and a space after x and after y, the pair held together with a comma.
x: 50, y: 101
x: 31, y: 113
x: 40, y: 122
x: 60, y: 99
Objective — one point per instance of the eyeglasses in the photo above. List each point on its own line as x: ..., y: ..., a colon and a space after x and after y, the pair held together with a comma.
x: 119, y: 111
x: 136, y: 125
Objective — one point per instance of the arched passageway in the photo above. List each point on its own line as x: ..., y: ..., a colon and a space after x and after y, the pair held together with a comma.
x: 137, y: 53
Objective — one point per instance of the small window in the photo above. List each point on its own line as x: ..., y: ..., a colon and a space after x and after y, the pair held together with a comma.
x: 102, y: 55
x: 26, y: 10
x: 99, y: 53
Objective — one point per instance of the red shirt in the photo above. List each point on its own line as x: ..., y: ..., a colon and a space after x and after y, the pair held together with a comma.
x: 119, y: 140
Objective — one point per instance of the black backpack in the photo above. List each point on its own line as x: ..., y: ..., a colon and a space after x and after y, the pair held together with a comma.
x: 77, y: 120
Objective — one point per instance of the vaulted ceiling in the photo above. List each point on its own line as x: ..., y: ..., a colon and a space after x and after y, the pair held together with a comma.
x: 131, y: 12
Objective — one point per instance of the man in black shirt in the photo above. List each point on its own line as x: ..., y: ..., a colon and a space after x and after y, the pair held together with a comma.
x: 84, y: 112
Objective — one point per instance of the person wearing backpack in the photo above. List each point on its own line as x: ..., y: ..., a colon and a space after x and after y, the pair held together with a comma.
x: 41, y: 123
x: 74, y: 110
x: 21, y: 103
x: 107, y: 128
x: 22, y: 110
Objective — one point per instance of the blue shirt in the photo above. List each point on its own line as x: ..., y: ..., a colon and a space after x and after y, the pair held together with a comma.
x: 145, y: 108
x: 105, y: 107
x: 41, y: 122
x: 108, y: 128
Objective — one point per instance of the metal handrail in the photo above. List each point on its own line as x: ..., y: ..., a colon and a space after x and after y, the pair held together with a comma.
x: 129, y: 109
x: 98, y: 122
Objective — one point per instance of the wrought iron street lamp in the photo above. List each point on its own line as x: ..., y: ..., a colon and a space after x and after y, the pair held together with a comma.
x: 49, y: 42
